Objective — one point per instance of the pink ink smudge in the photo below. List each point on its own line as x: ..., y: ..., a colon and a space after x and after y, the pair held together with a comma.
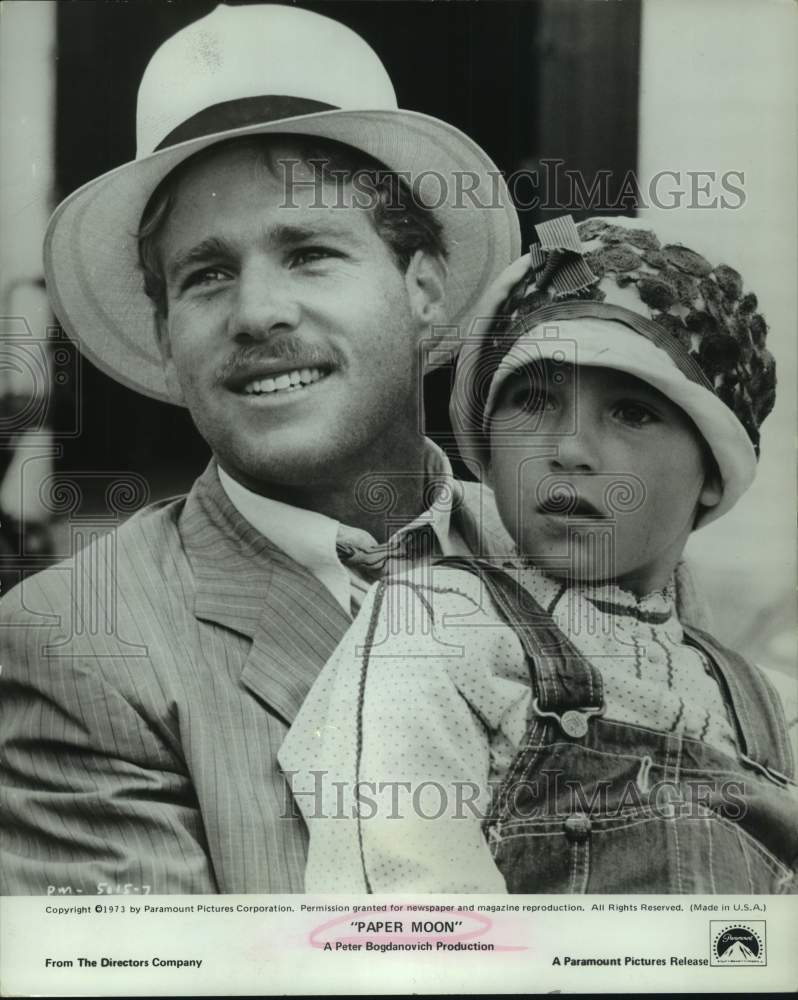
x: 482, y: 921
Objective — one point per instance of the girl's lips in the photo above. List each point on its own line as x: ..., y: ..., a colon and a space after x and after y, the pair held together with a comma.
x: 570, y: 507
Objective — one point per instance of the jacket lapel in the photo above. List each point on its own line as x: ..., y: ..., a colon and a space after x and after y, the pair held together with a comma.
x: 247, y: 584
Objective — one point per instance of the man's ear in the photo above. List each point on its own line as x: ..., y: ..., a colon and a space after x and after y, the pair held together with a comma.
x: 169, y: 369
x: 425, y: 280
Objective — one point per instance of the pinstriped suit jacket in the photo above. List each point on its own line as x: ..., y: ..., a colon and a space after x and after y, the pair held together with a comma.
x: 146, y: 687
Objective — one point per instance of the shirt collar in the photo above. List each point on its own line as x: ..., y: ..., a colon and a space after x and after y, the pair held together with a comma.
x: 310, y: 538
x: 305, y: 535
x: 655, y: 608
x: 442, y: 492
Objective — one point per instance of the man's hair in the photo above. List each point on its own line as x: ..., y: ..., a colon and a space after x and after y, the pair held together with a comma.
x: 403, y: 223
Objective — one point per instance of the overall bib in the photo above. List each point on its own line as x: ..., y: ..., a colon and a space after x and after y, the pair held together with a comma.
x: 592, y: 805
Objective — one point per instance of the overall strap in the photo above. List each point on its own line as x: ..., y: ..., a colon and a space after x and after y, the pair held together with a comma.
x: 563, y: 680
x: 756, y: 706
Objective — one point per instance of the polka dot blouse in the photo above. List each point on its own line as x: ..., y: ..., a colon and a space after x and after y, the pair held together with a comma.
x: 443, y: 708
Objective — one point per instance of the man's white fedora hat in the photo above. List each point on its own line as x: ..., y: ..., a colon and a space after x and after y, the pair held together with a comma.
x: 249, y: 70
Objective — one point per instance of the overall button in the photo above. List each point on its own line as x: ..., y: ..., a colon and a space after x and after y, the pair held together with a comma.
x: 574, y: 724
x: 577, y: 827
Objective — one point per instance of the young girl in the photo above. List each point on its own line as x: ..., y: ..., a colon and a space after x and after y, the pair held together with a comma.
x: 548, y: 724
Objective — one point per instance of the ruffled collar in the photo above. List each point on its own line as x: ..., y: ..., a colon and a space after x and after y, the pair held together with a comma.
x: 655, y: 608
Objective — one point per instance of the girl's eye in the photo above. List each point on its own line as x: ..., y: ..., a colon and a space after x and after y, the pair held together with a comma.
x: 529, y: 399
x: 634, y: 413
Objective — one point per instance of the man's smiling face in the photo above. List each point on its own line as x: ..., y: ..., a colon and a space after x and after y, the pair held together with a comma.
x: 290, y: 332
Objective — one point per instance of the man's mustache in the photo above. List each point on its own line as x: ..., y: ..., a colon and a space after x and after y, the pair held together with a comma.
x: 293, y: 351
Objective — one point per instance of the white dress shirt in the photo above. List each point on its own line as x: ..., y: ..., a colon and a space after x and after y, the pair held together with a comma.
x: 310, y: 538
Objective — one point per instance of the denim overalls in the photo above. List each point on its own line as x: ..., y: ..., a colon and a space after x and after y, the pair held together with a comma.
x: 591, y: 805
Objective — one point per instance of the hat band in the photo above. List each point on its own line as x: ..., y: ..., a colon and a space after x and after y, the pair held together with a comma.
x: 239, y: 113
x: 647, y: 328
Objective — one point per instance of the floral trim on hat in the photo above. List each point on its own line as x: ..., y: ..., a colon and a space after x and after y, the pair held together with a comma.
x: 702, y: 306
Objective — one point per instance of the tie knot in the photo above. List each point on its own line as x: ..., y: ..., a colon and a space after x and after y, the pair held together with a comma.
x: 358, y: 550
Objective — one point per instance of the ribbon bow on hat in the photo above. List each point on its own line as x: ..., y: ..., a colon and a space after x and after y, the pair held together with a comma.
x: 557, y: 260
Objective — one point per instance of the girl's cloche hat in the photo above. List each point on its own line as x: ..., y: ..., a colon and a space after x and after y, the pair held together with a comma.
x: 622, y: 300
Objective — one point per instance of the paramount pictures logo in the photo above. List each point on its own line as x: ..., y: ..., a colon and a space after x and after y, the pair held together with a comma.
x: 737, y: 943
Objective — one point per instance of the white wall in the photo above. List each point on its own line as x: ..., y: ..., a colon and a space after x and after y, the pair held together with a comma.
x: 27, y: 139
x: 27, y: 63
x: 718, y: 90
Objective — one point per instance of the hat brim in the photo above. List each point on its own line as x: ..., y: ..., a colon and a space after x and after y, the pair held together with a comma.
x: 91, y: 249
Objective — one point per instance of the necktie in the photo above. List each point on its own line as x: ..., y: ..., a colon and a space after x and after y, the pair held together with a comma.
x: 367, y: 560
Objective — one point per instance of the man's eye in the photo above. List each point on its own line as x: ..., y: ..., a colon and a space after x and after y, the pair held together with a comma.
x: 205, y: 276
x: 636, y: 414
x: 311, y: 255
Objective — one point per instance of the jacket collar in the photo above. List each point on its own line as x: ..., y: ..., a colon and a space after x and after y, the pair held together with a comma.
x: 245, y: 583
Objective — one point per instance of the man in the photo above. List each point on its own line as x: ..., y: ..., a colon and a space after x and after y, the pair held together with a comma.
x: 257, y: 264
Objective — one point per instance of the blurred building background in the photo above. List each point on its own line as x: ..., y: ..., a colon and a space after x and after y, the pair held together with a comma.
x: 569, y: 88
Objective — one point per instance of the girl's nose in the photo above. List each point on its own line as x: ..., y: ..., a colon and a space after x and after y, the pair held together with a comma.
x: 577, y: 449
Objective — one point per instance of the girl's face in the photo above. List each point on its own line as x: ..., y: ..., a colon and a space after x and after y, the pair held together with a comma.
x: 598, y: 476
